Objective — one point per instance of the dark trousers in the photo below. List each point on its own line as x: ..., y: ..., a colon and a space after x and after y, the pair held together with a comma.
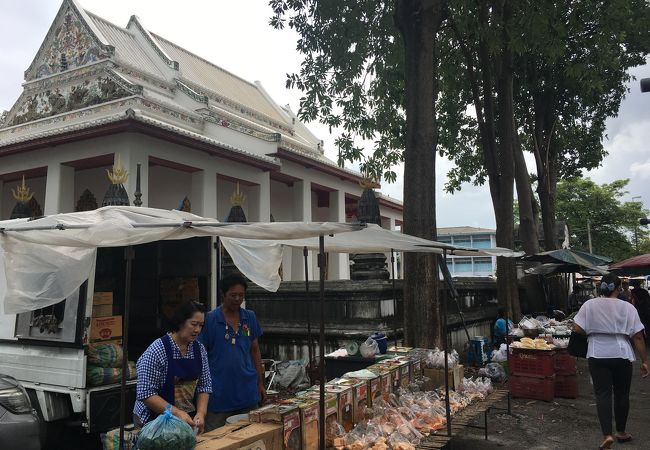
x: 611, y: 374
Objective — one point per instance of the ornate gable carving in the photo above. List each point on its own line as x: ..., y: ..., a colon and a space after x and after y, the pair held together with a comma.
x: 56, y: 100
x: 70, y: 43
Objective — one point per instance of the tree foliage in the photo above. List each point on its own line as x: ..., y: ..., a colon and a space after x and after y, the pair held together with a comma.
x: 612, y: 222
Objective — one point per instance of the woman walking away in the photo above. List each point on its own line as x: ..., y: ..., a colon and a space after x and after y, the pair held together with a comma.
x: 609, y: 324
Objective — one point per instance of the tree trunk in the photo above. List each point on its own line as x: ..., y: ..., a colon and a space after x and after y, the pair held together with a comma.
x: 418, y: 22
x: 527, y: 211
x: 503, y: 195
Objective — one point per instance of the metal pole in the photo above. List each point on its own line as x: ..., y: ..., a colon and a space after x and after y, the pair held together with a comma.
x: 392, y: 263
x: 128, y: 257
x: 589, y: 235
x: 310, y: 349
x: 321, y: 364
x: 217, y: 288
x: 446, y: 344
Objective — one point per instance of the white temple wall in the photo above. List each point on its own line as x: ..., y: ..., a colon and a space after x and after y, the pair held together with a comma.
x: 168, y: 187
x: 95, y: 180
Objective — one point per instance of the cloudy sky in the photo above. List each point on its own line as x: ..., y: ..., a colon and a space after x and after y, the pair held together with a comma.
x: 235, y: 35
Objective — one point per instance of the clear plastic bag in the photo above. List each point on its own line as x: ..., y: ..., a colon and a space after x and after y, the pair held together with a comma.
x: 493, y: 371
x: 369, y: 349
x: 166, y: 432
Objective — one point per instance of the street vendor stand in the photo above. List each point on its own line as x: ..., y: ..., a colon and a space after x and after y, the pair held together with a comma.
x: 29, y: 280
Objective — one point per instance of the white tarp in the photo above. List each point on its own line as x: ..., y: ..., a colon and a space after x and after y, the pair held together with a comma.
x: 44, y: 261
x: 374, y: 239
x: 42, y: 265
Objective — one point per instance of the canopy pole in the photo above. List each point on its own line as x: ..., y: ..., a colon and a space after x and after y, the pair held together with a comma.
x: 321, y: 364
x: 508, y: 341
x: 446, y: 344
x: 310, y: 349
x: 217, y: 288
x: 392, y: 263
x: 128, y: 257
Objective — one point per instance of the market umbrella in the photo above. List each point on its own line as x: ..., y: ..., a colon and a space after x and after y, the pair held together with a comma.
x: 637, y: 265
x: 571, y: 260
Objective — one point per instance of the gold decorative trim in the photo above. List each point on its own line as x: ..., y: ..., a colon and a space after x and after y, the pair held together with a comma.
x: 118, y: 174
x: 22, y: 194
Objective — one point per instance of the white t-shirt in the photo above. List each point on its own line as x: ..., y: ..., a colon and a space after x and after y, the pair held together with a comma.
x: 609, y: 323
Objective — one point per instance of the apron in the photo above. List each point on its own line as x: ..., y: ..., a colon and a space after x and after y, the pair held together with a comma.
x: 182, y: 377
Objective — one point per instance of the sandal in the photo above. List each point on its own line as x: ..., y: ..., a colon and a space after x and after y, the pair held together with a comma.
x: 623, y: 439
x: 607, y: 444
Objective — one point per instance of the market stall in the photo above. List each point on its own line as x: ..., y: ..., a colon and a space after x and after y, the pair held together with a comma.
x: 29, y: 280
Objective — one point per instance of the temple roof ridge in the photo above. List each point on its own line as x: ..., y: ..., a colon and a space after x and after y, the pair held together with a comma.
x: 194, y: 55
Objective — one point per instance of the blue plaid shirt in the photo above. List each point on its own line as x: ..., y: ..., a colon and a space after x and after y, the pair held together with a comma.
x: 152, y: 371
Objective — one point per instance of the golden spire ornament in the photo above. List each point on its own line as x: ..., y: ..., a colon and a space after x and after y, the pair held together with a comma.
x: 22, y: 194
x: 117, y: 174
x: 237, y: 198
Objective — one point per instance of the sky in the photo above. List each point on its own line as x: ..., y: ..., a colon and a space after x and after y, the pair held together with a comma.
x: 235, y: 35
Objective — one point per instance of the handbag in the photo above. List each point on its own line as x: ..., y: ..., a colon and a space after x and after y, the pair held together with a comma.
x: 577, y: 345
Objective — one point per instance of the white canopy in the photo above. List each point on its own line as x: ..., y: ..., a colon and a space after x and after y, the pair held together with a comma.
x: 44, y: 261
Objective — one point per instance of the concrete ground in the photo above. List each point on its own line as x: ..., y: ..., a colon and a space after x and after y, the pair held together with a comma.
x: 562, y: 423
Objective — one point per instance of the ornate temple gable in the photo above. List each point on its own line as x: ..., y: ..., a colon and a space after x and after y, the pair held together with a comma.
x: 35, y: 104
x: 134, y: 22
x: 72, y: 41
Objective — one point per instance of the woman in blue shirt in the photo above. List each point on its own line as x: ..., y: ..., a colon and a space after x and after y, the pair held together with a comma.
x: 174, y: 371
x: 230, y: 338
x: 500, y: 331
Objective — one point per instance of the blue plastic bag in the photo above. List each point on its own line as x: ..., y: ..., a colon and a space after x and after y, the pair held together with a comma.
x: 166, y: 432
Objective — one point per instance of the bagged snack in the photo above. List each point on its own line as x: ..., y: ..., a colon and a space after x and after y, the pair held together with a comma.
x: 105, y: 354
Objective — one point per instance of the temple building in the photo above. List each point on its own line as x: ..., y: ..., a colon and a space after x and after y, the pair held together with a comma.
x: 98, y: 97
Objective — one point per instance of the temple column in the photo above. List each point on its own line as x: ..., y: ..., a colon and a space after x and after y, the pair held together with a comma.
x: 59, y: 189
x: 301, y: 213
x: 259, y: 196
x: 204, y: 193
x: 338, y: 265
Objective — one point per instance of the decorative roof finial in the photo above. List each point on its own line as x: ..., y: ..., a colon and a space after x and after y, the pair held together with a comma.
x: 118, y: 174
x: 237, y: 198
x: 22, y: 194
x: 369, y: 181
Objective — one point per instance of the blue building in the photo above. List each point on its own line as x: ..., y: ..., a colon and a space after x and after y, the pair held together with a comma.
x: 475, y: 266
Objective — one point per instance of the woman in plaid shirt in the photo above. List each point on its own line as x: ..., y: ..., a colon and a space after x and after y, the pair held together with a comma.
x: 174, y: 371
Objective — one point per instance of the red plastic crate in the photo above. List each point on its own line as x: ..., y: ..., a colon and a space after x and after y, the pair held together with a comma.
x: 566, y: 386
x: 565, y: 364
x: 531, y: 363
x: 532, y: 387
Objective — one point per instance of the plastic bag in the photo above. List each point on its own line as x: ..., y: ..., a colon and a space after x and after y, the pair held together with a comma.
x: 369, y: 349
x: 493, y: 371
x: 501, y: 354
x: 166, y: 432
x: 111, y: 439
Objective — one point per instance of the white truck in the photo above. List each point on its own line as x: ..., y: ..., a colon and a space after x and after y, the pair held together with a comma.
x: 45, y: 349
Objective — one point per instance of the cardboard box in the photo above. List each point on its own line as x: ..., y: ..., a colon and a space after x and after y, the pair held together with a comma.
x: 331, y: 411
x: 102, y: 310
x: 359, y: 396
x: 242, y: 436
x: 310, y: 423
x: 384, y: 380
x: 105, y: 328
x: 345, y: 405
x: 286, y: 415
x: 102, y: 298
x: 436, y: 377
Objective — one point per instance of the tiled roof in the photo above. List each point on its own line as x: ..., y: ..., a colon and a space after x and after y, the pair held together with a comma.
x: 211, y: 77
x: 127, y: 48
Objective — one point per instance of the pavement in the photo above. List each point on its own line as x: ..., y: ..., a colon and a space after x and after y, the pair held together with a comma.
x: 562, y: 423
